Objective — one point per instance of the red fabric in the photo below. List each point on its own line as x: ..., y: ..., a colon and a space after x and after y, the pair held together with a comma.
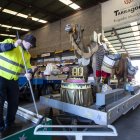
x: 105, y: 74
x: 98, y: 73
x: 102, y: 73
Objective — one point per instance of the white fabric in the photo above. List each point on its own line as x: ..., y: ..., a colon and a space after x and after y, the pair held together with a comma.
x: 105, y: 88
x: 83, y: 61
x: 108, y: 64
x: 109, y: 61
x: 49, y: 68
x: 106, y: 69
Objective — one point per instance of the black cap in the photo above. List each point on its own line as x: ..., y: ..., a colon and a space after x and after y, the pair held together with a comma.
x: 31, y: 39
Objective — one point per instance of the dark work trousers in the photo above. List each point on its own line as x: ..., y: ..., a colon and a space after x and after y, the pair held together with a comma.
x: 9, y: 91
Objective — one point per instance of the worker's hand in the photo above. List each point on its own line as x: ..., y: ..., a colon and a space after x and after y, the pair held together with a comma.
x: 28, y: 76
x: 18, y: 42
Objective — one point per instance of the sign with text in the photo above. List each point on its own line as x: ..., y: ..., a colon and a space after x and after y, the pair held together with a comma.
x: 117, y: 12
x: 77, y: 71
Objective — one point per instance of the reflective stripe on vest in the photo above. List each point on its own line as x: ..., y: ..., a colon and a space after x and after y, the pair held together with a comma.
x: 9, y: 71
x: 11, y: 62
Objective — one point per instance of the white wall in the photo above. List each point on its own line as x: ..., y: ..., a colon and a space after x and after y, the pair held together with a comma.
x: 137, y: 76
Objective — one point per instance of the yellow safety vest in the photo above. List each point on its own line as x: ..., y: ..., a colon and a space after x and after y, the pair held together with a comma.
x: 11, y: 63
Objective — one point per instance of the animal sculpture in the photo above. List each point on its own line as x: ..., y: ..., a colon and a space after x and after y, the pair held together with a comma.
x: 92, y: 53
x: 124, y: 71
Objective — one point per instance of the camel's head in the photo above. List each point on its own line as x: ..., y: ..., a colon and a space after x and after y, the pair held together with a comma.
x: 76, y: 31
x: 69, y: 28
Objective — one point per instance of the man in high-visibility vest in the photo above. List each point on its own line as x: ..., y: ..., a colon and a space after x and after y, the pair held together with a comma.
x: 11, y: 65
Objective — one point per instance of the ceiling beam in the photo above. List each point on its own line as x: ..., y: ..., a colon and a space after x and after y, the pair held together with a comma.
x: 41, y: 10
x: 119, y: 40
x: 135, y: 57
x: 122, y: 33
x: 4, y: 6
x: 121, y: 28
x: 127, y: 45
x: 3, y: 21
x: 123, y: 38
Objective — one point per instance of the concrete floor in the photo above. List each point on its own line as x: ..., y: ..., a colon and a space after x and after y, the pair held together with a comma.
x: 128, y: 126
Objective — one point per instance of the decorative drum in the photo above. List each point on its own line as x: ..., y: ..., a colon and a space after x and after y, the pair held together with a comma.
x: 77, y: 93
x: 108, y: 64
x: 75, y: 80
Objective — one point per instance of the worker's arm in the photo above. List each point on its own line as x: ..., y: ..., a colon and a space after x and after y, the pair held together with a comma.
x: 6, y: 47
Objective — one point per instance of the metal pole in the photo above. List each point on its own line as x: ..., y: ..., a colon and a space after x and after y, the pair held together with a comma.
x: 79, y: 137
x: 23, y: 58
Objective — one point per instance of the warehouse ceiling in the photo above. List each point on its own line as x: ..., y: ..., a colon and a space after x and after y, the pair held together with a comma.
x: 25, y: 15
x: 125, y: 39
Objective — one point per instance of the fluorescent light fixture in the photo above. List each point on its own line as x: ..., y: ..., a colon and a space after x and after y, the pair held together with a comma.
x: 134, y: 23
x: 35, y: 19
x: 135, y: 28
x: 111, y: 47
x: 42, y: 21
x: 121, y: 50
x: 105, y: 39
x: 6, y: 26
x: 67, y: 2
x: 16, y: 28
x: 7, y: 35
x: 137, y: 37
x: 22, y: 15
x: 13, y: 27
x: 136, y: 33
x: 136, y: 52
x: 23, y: 29
x: 25, y: 16
x: 9, y: 11
x: 74, y: 6
x: 12, y: 35
x: 137, y: 41
x: 107, y: 42
x: 70, y: 4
